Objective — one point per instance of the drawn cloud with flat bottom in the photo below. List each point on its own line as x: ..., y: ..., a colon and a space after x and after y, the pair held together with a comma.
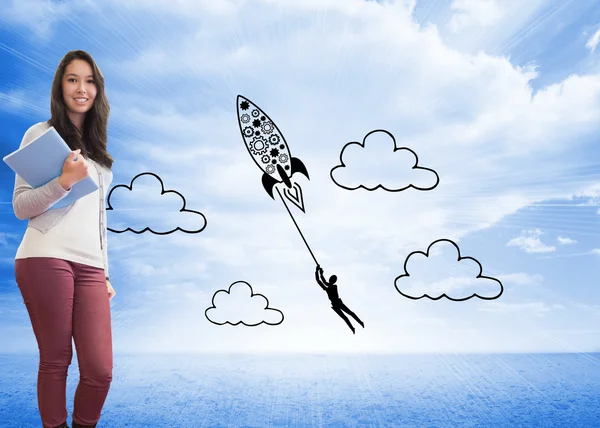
x: 240, y: 305
x: 165, y: 211
x: 378, y: 164
x: 442, y: 272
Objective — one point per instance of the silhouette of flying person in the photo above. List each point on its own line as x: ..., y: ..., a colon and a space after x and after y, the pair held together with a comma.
x: 331, y: 289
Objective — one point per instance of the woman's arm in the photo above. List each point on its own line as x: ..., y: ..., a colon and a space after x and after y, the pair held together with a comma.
x: 29, y: 202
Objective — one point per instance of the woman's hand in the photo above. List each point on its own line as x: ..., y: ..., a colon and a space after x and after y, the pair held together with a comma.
x: 111, y: 291
x: 73, y: 170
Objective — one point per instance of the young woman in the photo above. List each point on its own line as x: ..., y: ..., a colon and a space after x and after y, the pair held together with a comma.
x: 61, y: 265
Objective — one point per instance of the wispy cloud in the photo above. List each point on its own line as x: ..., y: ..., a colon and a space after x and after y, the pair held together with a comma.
x: 593, y: 41
x: 23, y: 102
x: 590, y: 193
x: 474, y: 13
x: 3, y: 240
x: 530, y: 242
x: 40, y: 16
x: 5, y: 237
x: 565, y: 241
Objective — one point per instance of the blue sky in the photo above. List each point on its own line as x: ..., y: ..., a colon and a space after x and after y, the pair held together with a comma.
x: 501, y: 99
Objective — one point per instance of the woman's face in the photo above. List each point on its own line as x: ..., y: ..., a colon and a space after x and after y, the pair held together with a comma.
x: 79, y: 87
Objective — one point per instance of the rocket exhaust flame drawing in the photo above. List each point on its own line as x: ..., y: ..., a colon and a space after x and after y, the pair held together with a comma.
x: 269, y: 150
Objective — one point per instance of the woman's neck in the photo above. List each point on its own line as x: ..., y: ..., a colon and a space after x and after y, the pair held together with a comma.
x: 77, y: 119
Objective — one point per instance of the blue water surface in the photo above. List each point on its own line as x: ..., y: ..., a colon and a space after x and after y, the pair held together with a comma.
x: 150, y: 390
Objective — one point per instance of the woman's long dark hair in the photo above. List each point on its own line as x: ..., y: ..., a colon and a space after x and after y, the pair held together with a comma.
x: 94, y: 131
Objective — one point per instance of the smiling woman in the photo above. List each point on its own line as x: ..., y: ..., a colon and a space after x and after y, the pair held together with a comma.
x: 61, y: 265
x: 79, y: 106
x: 78, y: 97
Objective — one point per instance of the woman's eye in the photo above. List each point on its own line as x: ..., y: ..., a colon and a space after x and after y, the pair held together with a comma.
x: 90, y: 81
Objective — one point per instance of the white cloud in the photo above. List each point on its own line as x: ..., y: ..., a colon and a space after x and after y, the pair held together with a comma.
x: 530, y: 242
x: 470, y: 13
x: 593, y: 41
x: 40, y: 16
x: 359, y: 66
x: 595, y: 251
x: 36, y: 14
x: 189, y: 8
x: 566, y: 241
x: 449, y: 106
x: 590, y: 192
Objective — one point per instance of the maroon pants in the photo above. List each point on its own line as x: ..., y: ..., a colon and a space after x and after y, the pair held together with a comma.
x: 68, y: 300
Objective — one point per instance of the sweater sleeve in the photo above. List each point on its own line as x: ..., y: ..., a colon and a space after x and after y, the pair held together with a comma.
x: 29, y: 202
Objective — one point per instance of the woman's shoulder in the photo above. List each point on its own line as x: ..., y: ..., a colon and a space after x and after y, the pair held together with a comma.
x: 38, y: 127
x: 35, y: 131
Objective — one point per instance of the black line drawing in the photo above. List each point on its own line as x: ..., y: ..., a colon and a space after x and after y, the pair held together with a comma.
x: 261, y: 135
x: 269, y: 150
x: 482, y: 280
x: 162, y: 192
x: 337, y: 305
x: 381, y: 134
x: 297, y: 227
x: 252, y: 305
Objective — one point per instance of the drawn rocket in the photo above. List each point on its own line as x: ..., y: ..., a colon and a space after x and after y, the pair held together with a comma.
x: 269, y: 150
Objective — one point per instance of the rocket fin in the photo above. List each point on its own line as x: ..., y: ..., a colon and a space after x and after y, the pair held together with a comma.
x: 298, y: 166
x: 268, y: 183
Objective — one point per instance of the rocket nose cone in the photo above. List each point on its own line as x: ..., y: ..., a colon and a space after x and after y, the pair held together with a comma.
x: 243, y: 103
